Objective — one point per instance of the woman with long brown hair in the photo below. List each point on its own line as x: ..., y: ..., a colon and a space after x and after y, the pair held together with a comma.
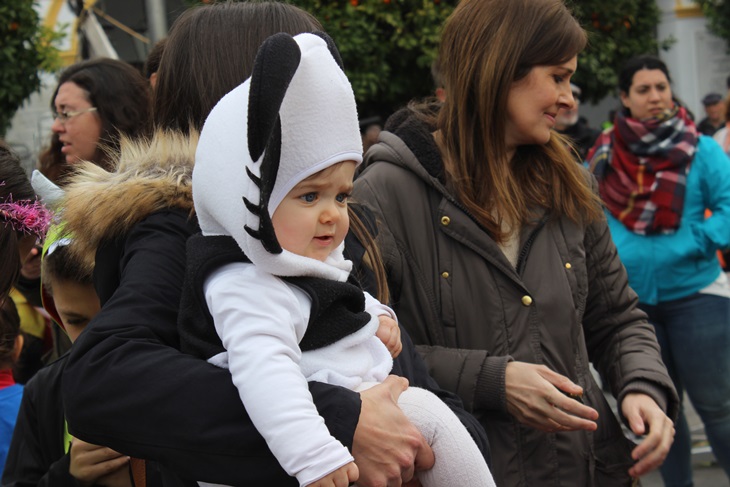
x: 500, y: 260
x: 127, y: 385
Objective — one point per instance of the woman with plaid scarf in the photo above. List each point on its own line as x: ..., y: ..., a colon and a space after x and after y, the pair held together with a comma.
x: 657, y: 176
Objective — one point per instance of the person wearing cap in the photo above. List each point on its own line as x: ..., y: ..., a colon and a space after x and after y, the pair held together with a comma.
x: 569, y: 123
x: 271, y: 200
x: 715, y: 110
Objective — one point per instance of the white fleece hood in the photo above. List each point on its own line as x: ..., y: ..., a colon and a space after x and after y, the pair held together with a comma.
x: 294, y: 117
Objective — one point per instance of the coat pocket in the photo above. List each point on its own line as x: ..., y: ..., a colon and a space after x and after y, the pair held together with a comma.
x: 611, y: 462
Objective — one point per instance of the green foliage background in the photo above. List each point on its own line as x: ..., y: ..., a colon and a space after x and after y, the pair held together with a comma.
x: 618, y: 30
x: 388, y: 45
x: 25, y: 48
x: 718, y: 15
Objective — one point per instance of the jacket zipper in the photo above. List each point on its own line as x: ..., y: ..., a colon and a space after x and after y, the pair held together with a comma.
x: 522, y: 259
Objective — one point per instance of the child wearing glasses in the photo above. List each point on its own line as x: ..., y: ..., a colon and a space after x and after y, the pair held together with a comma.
x: 268, y: 292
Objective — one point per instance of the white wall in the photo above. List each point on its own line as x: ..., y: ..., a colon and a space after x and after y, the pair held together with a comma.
x: 698, y: 61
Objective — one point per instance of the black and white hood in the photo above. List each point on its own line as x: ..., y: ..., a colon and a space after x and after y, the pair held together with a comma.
x: 295, y: 116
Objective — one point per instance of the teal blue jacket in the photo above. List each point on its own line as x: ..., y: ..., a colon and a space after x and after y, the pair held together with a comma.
x: 667, y: 267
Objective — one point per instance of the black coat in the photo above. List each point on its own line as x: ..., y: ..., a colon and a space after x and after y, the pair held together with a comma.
x: 127, y: 385
x: 37, y: 453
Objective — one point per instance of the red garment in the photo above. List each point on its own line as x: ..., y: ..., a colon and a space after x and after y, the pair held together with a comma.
x: 6, y: 378
x: 642, y: 167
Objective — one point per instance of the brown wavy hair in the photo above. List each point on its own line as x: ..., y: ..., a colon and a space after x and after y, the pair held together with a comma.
x: 121, y: 97
x: 487, y: 46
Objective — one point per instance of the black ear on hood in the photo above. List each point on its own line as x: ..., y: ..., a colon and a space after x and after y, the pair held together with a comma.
x: 276, y: 62
x: 332, y: 47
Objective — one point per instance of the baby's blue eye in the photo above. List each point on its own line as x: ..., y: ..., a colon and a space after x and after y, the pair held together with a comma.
x: 309, y: 197
x: 343, y: 197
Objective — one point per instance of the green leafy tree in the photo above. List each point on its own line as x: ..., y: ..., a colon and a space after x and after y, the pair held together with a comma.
x: 388, y: 45
x: 718, y: 16
x: 26, y: 47
x: 618, y: 30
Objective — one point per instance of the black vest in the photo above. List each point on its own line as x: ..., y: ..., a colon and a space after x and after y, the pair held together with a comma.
x: 338, y: 308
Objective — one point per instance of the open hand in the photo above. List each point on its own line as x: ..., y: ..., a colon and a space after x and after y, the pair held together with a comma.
x: 534, y: 397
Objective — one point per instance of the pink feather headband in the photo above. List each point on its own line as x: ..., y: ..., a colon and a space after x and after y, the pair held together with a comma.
x: 26, y: 216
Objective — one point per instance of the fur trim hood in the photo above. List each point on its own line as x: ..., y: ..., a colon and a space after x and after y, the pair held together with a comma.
x: 151, y: 175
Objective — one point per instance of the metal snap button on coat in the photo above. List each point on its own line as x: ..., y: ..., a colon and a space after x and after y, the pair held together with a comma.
x: 445, y: 220
x: 526, y: 300
x: 567, y: 265
x: 445, y: 275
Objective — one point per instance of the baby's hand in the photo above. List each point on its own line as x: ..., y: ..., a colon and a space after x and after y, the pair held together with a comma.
x: 389, y: 334
x: 342, y: 477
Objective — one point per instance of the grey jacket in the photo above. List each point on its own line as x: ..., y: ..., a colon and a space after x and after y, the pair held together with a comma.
x: 567, y: 303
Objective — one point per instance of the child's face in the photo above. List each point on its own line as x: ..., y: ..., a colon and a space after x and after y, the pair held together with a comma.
x: 312, y: 218
x: 76, y: 305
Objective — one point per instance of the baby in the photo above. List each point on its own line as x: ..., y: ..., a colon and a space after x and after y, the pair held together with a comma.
x: 268, y: 292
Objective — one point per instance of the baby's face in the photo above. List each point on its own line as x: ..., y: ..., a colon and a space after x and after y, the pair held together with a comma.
x: 312, y: 220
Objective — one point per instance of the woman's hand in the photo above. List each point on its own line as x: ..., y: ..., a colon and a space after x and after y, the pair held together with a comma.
x: 389, y: 333
x: 387, y: 448
x: 92, y: 464
x: 534, y: 397
x: 645, y: 417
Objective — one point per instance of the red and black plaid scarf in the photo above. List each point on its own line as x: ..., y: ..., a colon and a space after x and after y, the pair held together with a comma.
x: 642, y: 169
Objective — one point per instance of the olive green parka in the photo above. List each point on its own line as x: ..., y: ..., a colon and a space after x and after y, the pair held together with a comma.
x: 566, y: 304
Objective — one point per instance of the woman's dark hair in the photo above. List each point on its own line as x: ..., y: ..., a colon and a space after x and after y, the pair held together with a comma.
x: 210, y: 50
x: 630, y: 67
x: 9, y: 330
x: 62, y: 265
x: 152, y: 63
x: 121, y: 97
x: 14, y: 184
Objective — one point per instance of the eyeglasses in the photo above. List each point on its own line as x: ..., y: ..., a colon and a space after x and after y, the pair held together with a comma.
x: 65, y: 114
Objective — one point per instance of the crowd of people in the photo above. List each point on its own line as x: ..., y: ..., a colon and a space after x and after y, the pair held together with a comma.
x: 242, y: 295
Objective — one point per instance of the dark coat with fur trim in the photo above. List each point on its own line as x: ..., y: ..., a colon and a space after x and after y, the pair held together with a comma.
x: 566, y: 304
x: 127, y: 385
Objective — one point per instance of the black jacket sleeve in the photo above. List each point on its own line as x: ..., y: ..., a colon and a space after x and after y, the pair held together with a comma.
x: 36, y: 455
x: 127, y: 386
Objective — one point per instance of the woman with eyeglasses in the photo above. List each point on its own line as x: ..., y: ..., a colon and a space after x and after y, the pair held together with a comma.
x: 95, y: 102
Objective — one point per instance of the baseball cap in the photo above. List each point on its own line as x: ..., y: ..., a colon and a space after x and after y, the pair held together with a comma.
x: 711, y: 99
